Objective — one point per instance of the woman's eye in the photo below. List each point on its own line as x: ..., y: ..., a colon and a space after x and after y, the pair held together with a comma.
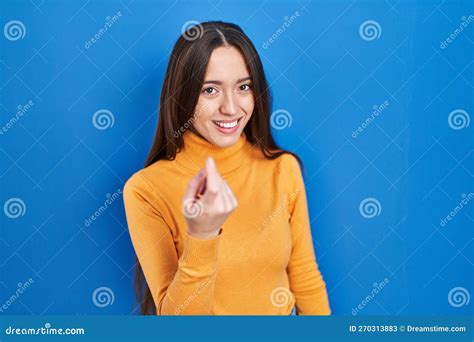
x: 209, y: 90
x: 245, y: 87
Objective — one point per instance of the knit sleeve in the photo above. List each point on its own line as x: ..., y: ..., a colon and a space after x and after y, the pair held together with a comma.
x: 179, y: 285
x: 306, y: 281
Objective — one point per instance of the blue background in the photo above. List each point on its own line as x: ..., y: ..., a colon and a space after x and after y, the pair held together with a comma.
x: 321, y: 71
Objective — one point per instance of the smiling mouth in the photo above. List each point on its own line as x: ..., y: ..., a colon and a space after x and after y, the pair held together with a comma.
x: 227, y: 124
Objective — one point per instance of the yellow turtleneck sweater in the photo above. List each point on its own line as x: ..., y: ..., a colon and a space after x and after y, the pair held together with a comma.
x: 262, y: 263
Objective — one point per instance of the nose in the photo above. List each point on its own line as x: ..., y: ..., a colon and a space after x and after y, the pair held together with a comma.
x: 229, y: 104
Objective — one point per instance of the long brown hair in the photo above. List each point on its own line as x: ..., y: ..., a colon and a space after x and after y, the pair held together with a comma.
x: 179, y: 96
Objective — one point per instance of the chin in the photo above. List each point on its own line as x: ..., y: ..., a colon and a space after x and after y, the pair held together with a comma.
x: 223, y: 141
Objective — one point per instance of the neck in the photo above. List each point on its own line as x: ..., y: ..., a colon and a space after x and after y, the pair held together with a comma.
x: 196, y: 150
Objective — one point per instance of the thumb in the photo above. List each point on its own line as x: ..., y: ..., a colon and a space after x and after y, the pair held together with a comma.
x: 194, y: 185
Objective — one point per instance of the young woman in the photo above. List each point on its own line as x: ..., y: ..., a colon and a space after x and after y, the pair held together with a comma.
x: 218, y: 217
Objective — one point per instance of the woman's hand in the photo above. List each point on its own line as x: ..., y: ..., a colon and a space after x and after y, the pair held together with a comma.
x: 208, y: 202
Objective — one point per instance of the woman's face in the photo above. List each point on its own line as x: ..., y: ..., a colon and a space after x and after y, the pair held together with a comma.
x: 226, y: 101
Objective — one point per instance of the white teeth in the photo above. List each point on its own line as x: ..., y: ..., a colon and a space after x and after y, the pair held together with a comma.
x: 226, y: 124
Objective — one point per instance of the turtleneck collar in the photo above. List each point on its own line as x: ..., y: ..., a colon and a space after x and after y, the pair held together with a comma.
x: 196, y: 150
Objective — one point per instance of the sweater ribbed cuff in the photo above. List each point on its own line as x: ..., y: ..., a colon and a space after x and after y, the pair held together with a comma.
x: 200, y: 253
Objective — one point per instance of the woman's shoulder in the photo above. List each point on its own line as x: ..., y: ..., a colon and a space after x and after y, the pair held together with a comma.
x: 289, y: 161
x: 149, y: 179
x: 285, y: 168
x: 286, y: 163
x: 285, y: 160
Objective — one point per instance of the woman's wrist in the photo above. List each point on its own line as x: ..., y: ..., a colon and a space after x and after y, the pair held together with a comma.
x: 204, y: 235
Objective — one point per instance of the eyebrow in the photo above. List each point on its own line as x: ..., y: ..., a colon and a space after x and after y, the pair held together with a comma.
x: 220, y: 82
